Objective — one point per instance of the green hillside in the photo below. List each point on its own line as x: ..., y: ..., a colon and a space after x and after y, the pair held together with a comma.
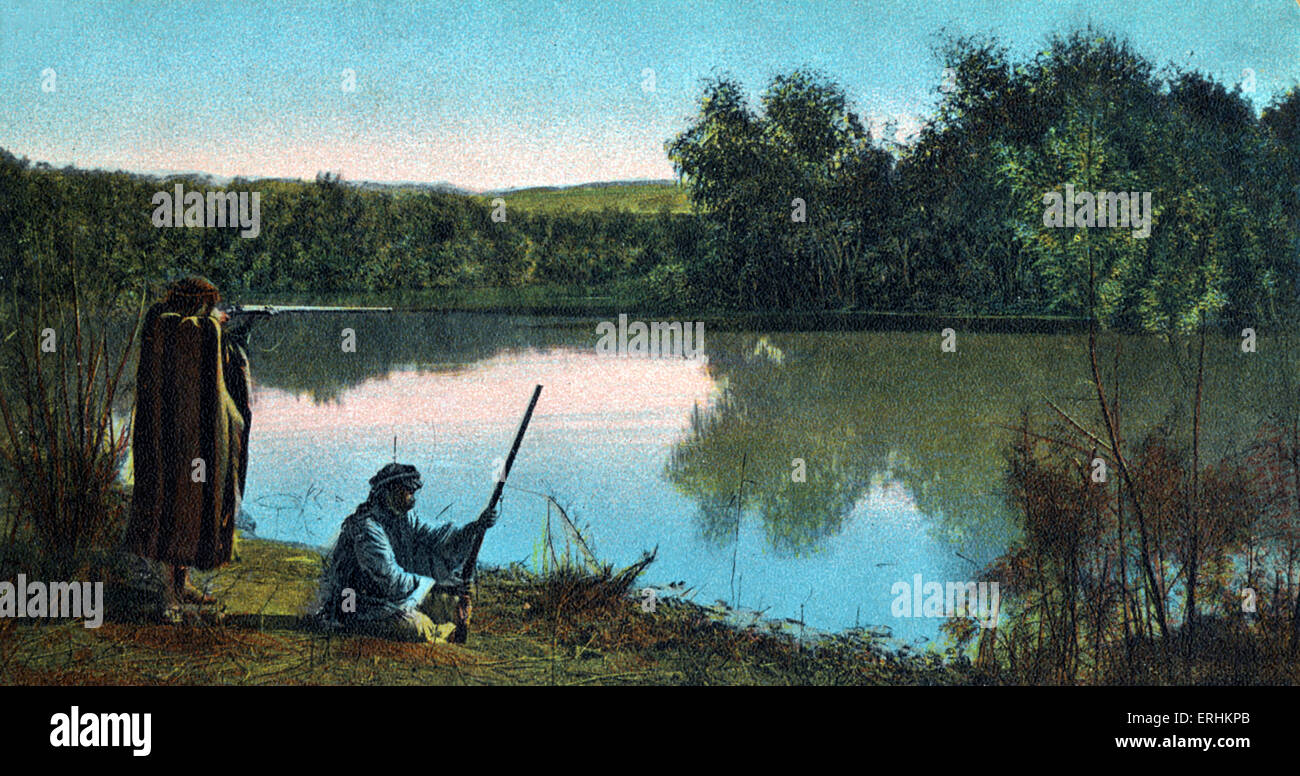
x: 635, y: 198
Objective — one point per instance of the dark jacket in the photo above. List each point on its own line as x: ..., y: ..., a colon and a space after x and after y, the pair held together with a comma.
x: 379, y: 557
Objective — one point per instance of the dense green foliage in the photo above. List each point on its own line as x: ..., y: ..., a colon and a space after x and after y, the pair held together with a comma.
x: 793, y: 204
x: 954, y: 221
x: 319, y: 237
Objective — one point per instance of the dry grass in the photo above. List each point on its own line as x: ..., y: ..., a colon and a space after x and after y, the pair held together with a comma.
x: 570, y: 627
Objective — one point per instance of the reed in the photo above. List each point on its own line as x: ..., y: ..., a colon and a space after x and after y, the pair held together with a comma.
x: 576, y: 545
x: 62, y: 448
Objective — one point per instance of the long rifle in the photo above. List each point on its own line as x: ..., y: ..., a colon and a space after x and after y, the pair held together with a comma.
x: 243, y: 316
x: 471, y: 561
x: 276, y: 309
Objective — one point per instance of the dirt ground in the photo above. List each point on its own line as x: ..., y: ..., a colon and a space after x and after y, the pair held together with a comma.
x: 573, y: 629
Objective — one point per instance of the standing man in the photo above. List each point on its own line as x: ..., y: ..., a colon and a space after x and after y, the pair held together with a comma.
x: 374, y: 569
x: 190, y: 438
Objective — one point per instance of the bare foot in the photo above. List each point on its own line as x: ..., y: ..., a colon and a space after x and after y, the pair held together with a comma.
x: 193, y: 595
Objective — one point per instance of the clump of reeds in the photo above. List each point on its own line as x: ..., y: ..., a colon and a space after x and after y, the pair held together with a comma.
x: 62, y: 448
x: 585, y: 592
x: 575, y: 579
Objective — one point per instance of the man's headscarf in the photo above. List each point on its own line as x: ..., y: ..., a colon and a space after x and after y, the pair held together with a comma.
x: 401, y: 473
x: 189, y: 295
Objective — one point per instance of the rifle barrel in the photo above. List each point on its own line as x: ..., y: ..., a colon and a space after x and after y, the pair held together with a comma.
x: 514, y: 448
x: 472, y: 560
x: 461, y: 634
x: 273, y: 309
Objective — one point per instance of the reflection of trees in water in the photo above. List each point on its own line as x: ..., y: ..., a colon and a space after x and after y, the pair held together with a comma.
x: 796, y: 516
x: 864, y: 406
x: 856, y: 414
x: 855, y: 406
x: 304, y: 354
x: 765, y: 412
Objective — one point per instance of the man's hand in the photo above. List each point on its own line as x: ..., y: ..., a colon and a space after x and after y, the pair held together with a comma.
x: 239, y: 332
x: 487, y: 519
x: 240, y: 327
x: 236, y: 324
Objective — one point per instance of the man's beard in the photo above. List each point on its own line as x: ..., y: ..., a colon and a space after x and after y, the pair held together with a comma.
x: 399, y: 505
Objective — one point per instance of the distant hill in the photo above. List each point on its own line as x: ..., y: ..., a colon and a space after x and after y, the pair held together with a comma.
x: 646, y: 197
x: 441, y: 187
x: 636, y: 196
x: 595, y: 185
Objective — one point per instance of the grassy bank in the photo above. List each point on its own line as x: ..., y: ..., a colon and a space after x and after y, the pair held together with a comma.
x: 526, y: 630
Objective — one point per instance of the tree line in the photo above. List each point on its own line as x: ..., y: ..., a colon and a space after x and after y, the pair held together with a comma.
x: 323, y: 236
x: 796, y: 205
x: 953, y: 221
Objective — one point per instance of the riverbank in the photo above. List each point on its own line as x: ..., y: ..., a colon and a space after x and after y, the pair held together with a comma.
x: 526, y: 630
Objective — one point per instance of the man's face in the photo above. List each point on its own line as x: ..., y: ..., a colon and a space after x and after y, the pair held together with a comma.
x: 401, y: 498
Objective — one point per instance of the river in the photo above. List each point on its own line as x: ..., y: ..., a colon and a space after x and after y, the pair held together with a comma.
x: 900, y: 445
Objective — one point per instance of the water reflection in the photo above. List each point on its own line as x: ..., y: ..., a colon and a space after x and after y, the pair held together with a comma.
x: 304, y: 353
x: 865, y: 408
x: 902, y: 443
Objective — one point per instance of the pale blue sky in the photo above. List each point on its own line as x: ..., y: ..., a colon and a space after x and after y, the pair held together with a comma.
x: 499, y: 94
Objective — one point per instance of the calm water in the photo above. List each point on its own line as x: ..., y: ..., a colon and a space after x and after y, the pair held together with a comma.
x: 902, y: 444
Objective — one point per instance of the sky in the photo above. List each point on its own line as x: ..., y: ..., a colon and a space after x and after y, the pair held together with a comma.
x: 493, y: 95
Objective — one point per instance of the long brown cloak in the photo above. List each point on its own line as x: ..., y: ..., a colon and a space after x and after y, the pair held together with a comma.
x: 192, y: 390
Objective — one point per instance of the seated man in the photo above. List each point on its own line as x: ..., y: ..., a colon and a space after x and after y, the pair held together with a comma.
x: 370, y: 578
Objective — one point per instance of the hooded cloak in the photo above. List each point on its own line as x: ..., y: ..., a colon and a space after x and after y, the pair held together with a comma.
x: 192, y: 389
